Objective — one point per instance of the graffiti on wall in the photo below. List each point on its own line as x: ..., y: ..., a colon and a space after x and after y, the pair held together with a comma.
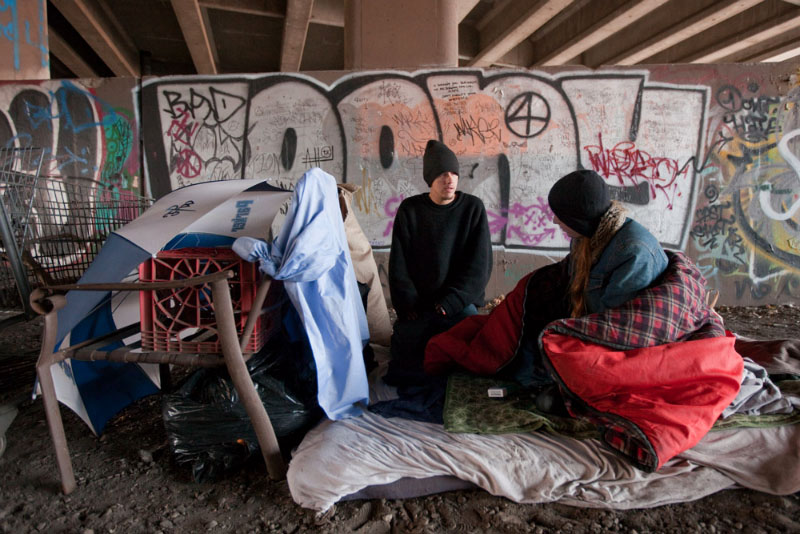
x: 87, y: 165
x: 515, y: 134
x: 712, y: 168
x: 708, y: 168
x: 746, y: 227
x: 82, y: 134
x: 23, y: 29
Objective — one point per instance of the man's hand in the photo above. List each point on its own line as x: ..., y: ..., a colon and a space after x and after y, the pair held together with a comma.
x: 412, y: 316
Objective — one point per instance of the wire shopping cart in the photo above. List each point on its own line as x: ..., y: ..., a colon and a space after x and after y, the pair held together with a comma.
x: 51, y: 227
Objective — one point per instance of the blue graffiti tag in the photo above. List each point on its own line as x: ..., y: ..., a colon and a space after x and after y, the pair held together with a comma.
x: 11, y: 31
x: 40, y: 115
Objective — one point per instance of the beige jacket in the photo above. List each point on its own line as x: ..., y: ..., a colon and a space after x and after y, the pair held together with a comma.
x: 380, y: 326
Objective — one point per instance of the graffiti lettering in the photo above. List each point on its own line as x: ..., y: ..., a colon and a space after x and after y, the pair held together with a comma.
x: 477, y: 129
x: 391, y: 93
x: 205, y: 133
x: 219, y: 106
x: 182, y: 130
x: 710, y: 225
x: 629, y: 166
x: 749, y: 117
x: 390, y: 208
x: 324, y: 153
x: 11, y: 31
x: 532, y: 224
x: 410, y: 119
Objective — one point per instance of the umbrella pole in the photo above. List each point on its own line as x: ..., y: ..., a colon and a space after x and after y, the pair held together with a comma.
x: 243, y: 382
x: 46, y: 360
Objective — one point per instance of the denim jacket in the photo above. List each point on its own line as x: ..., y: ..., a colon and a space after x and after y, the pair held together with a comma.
x: 631, y: 261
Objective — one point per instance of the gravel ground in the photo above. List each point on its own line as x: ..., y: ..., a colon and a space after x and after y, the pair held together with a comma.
x: 129, y: 482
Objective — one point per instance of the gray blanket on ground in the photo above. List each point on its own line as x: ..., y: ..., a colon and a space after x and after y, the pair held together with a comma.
x: 342, y: 458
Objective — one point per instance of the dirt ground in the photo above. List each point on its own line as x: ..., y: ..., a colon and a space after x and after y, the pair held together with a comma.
x: 128, y: 481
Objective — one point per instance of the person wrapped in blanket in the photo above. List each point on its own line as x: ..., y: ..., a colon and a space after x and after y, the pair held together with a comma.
x: 618, y: 332
x: 612, y: 257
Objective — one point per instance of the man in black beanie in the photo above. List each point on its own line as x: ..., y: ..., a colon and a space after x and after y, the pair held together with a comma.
x: 440, y: 262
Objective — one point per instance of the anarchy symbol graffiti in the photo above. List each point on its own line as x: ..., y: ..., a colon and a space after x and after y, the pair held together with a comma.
x: 527, y: 115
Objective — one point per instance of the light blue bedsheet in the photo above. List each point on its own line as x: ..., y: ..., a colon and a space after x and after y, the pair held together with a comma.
x: 311, y: 256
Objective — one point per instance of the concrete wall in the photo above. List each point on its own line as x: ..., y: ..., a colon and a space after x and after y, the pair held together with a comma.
x: 707, y: 157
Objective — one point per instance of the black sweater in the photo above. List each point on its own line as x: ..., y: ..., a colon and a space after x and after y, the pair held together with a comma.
x: 440, y: 254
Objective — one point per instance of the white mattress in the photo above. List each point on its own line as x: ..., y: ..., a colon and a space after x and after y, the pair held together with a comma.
x: 338, y: 459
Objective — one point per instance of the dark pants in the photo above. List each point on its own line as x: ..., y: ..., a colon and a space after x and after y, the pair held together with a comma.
x: 409, y: 339
x: 546, y: 300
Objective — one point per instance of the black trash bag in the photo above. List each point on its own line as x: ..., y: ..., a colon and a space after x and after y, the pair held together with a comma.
x: 208, y: 428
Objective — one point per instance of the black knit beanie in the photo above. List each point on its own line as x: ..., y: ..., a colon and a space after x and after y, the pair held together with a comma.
x: 580, y: 199
x: 437, y: 159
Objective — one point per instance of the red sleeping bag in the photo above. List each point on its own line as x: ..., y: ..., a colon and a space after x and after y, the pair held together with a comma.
x: 653, y: 402
x: 654, y: 374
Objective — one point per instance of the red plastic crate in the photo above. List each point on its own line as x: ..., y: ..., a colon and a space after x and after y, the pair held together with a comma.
x: 183, y: 320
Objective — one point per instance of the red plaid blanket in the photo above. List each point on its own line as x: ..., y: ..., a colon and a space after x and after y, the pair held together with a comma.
x: 672, y: 310
x: 654, y: 373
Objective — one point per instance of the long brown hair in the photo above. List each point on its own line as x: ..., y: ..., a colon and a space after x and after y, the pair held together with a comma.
x: 586, y: 250
x: 581, y: 266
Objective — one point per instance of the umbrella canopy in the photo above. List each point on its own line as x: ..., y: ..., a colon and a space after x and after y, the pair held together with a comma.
x: 208, y: 214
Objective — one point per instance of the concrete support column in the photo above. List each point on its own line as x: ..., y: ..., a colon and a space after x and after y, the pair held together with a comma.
x: 24, y: 51
x: 404, y: 34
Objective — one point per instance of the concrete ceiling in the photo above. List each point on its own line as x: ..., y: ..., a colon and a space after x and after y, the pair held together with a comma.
x: 102, y: 38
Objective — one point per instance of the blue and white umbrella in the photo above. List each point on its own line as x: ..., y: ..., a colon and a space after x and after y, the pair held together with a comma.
x: 208, y: 214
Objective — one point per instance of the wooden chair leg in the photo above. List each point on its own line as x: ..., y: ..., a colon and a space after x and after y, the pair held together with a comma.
x: 255, y: 311
x: 243, y: 382
x: 56, y: 425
